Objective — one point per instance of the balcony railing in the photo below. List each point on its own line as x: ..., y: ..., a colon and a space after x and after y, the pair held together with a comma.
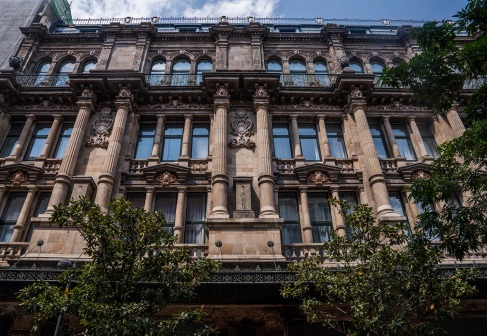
x: 52, y: 165
x: 172, y: 80
x: 136, y: 166
x: 305, y: 80
x: 285, y: 166
x: 198, y: 166
x: 43, y: 81
x: 474, y: 84
x: 12, y: 250
x: 294, y: 252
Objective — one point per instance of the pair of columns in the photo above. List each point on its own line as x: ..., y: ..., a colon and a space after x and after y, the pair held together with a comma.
x: 220, y: 178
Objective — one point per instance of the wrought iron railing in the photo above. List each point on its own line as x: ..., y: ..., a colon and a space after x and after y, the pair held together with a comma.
x: 43, y: 81
x: 306, y: 80
x: 171, y: 80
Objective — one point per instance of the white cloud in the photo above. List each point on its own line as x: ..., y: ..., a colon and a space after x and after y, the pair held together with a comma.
x: 175, y: 8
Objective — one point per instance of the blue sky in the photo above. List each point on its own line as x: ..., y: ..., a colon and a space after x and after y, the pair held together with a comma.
x: 340, y: 9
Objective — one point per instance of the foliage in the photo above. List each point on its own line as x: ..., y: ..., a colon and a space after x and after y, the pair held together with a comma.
x: 380, y: 284
x: 437, y: 76
x: 124, y: 284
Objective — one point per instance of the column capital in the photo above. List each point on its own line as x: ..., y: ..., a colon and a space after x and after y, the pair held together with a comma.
x: 124, y: 103
x: 293, y: 116
x: 32, y: 189
x: 86, y: 103
x: 221, y: 102
x: 434, y: 118
x: 334, y: 188
x: 161, y: 116
x: 188, y: 116
x: 357, y: 104
x: 58, y: 117
x: 182, y: 189
x: 320, y: 117
x: 7, y: 116
x: 261, y: 102
x: 411, y: 118
x: 149, y: 189
x: 31, y: 117
x: 303, y: 189
x: 385, y: 118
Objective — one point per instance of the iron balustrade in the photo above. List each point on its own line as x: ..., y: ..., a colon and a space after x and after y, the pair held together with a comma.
x: 43, y: 80
x: 171, y: 80
x: 306, y: 80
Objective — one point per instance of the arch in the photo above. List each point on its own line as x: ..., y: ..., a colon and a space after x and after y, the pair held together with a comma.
x: 297, y: 66
x: 357, y: 65
x: 377, y: 66
x: 203, y: 65
x: 65, y: 68
x: 397, y: 60
x: 274, y: 65
x: 42, y: 70
x: 88, y: 65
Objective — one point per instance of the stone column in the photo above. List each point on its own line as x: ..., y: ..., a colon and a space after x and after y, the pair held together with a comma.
x: 2, y: 191
x: 64, y: 178
x: 338, y: 223
x: 24, y: 214
x: 179, y: 219
x: 372, y: 163
x: 305, y: 217
x: 4, y: 123
x: 455, y: 121
x: 347, y: 135
x: 419, y: 140
x: 106, y: 181
x: 219, y: 177
x: 51, y: 136
x: 265, y: 179
x: 325, y: 146
x: 184, y: 158
x: 390, y: 136
x: 17, y: 151
x: 156, y: 148
x: 149, y: 199
x: 298, y: 153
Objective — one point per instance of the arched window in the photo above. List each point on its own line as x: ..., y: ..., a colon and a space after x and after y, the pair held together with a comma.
x: 377, y: 67
x: 180, y: 72
x: 157, y: 71
x: 63, y: 71
x: 396, y: 62
x: 275, y: 66
x: 203, y: 66
x: 357, y: 67
x: 297, y: 69
x: 89, y: 65
x: 321, y: 73
x: 41, y: 72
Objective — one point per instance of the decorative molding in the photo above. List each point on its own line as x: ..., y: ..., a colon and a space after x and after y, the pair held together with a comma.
x: 177, y: 104
x: 356, y: 93
x: 221, y: 91
x: 18, y: 178
x: 44, y: 105
x: 124, y: 92
x: 166, y: 178
x: 102, y: 129
x: 396, y: 105
x: 308, y: 105
x: 242, y: 129
x: 420, y: 174
x: 87, y: 93
x: 318, y: 177
x: 261, y: 92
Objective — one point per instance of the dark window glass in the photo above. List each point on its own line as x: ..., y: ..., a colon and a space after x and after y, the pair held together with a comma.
x: 62, y: 143
x: 428, y: 140
x: 398, y: 206
x: 180, y: 73
x: 309, y: 142
x: 203, y: 66
x: 41, y: 207
x: 145, y: 141
x: 282, y: 142
x: 401, y: 136
x: 336, y: 141
x: 288, y: 210
x: 378, y: 138
x: 195, y: 218
x: 351, y: 198
x: 200, y: 142
x: 10, y: 214
x: 63, y: 71
x: 173, y: 136
x: 166, y: 202
x: 37, y: 141
x: 320, y: 214
x: 298, y: 76
x: 11, y: 139
x: 357, y: 67
x: 275, y: 67
x: 90, y: 65
x: 377, y: 67
x: 136, y: 199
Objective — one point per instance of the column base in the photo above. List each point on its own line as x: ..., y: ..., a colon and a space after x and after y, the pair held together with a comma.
x: 219, y: 213
x: 268, y: 213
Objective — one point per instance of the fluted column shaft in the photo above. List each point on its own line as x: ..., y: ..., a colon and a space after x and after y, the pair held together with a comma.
x: 179, y: 219
x: 51, y: 136
x: 305, y: 217
x: 376, y: 179
x: 455, y: 121
x: 24, y: 215
x: 149, y: 199
x: 107, y: 178
x: 298, y: 153
x: 266, y: 179
x: 23, y: 137
x: 325, y: 145
x: 417, y: 135
x: 390, y: 136
x: 64, y: 178
x: 220, y: 178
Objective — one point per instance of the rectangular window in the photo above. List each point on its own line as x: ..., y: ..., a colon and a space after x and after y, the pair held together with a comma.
x: 37, y: 141
x: 173, y: 137
x: 309, y: 142
x: 401, y: 135
x: 145, y: 141
x: 62, y: 143
x: 379, y: 143
x: 351, y: 198
x: 166, y: 203
x: 11, y: 139
x: 41, y: 207
x: 136, y: 199
x: 200, y: 142
x: 10, y: 214
x: 195, y: 218
x: 282, y: 141
x: 335, y: 141
x: 320, y: 214
x: 398, y: 206
x: 428, y: 140
x: 289, y: 211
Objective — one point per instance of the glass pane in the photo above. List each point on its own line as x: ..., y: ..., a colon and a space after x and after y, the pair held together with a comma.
x: 145, y: 141
x: 196, y: 207
x: 166, y: 202
x: 336, y: 141
x: 181, y: 66
x: 282, y: 148
x: 274, y: 66
x: 377, y: 67
x: 43, y: 68
x: 11, y: 139
x: 194, y: 234
x: 310, y: 149
x: 297, y: 66
x: 171, y: 150
x: 173, y: 130
x: 320, y: 67
x: 396, y: 203
x: 291, y: 233
x: 63, y: 142
x: 10, y: 214
x: 42, y: 203
x: 280, y: 130
x: 399, y: 131
x: 158, y: 67
x: 37, y: 142
x: 356, y: 67
x: 430, y: 145
x: 204, y: 65
x: 321, y: 233
x: 137, y: 199
x: 199, y: 148
x: 307, y: 130
x: 66, y: 67
x: 288, y: 207
x: 405, y: 149
x: 90, y: 65
x: 319, y: 209
x: 379, y: 144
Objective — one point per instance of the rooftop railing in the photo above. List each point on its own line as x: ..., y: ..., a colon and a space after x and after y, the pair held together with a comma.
x: 43, y: 80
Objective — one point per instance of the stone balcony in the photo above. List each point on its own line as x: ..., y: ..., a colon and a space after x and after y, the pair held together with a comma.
x: 197, y: 166
x: 287, y: 166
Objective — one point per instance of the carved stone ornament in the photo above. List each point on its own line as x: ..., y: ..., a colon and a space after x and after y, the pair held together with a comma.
x: 18, y: 178
x: 87, y: 92
x: 420, y: 174
x: 45, y: 105
x: 125, y: 92
x: 177, y: 104
x: 396, y: 105
x: 102, y: 129
x: 242, y: 129
x: 307, y: 105
x: 356, y: 93
x: 2, y: 100
x: 318, y: 177
x: 166, y: 178
x: 221, y: 91
x: 261, y: 92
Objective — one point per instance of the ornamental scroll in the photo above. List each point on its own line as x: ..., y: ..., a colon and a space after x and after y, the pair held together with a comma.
x: 242, y: 129
x: 102, y: 129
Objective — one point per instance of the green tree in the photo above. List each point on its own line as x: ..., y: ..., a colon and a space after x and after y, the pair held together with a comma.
x: 437, y: 76
x: 381, y: 280
x: 134, y: 273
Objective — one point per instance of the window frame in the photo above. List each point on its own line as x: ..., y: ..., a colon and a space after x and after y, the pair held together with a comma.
x: 279, y: 136
x: 172, y: 137
x: 382, y: 138
x: 336, y: 138
x: 148, y: 136
x: 402, y: 138
x: 34, y: 137
x: 63, y: 75
x: 294, y: 224
x: 309, y: 137
x: 61, y: 138
x: 10, y: 136
x: 6, y: 237
x: 169, y: 225
x: 189, y: 223
x: 200, y: 136
x: 428, y: 139
x: 317, y: 224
